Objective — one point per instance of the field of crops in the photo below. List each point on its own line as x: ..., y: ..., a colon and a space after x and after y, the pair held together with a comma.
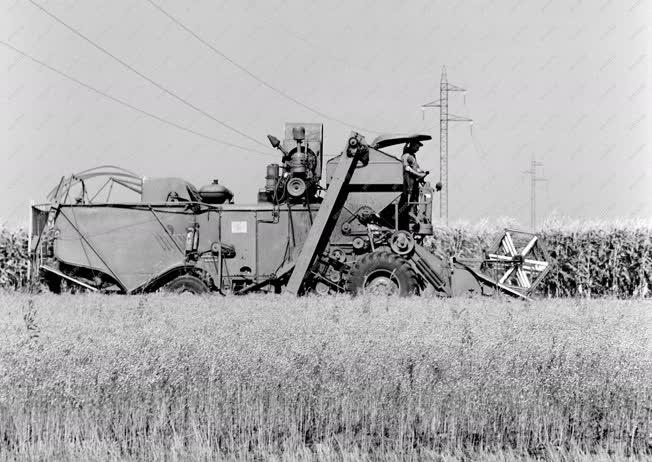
x: 13, y: 258
x: 588, y: 259
x: 331, y: 378
x: 597, y: 262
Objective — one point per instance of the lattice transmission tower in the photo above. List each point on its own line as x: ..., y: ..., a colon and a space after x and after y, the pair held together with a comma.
x: 534, y: 179
x: 444, y: 118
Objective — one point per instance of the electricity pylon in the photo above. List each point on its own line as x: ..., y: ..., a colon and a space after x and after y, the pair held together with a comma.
x: 534, y: 179
x: 444, y: 118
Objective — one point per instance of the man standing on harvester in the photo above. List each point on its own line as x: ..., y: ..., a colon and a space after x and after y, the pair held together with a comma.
x: 413, y: 175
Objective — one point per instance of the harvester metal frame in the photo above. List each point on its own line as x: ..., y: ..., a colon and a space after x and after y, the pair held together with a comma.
x: 333, y: 243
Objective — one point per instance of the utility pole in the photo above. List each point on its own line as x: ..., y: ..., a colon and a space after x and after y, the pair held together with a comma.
x: 444, y: 118
x: 534, y: 179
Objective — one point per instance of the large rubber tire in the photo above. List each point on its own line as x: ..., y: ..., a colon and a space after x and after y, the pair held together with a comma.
x: 186, y: 284
x: 383, y: 269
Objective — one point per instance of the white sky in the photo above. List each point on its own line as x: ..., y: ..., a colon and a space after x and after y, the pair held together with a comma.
x: 565, y: 81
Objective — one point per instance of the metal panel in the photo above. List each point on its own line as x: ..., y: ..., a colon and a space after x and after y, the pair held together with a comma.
x: 131, y: 244
x: 382, y: 169
x: 376, y: 200
x: 238, y: 228
x: 156, y: 190
x: 284, y: 238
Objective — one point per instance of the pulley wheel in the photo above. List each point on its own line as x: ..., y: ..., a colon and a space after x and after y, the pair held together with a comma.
x: 401, y: 243
x: 359, y: 244
x: 338, y: 255
x: 296, y: 187
x: 322, y: 289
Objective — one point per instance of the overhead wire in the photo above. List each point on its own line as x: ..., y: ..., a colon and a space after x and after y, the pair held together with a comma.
x: 476, y: 143
x: 129, y: 105
x: 145, y: 77
x: 254, y: 76
x: 477, y: 146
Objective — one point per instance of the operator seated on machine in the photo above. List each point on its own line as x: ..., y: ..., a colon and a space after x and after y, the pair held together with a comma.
x: 413, y: 175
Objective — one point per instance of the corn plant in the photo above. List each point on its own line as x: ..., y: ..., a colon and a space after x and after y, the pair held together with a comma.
x: 588, y: 260
x: 13, y: 259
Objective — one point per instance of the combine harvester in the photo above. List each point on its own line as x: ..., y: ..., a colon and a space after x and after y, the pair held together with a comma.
x: 299, y: 238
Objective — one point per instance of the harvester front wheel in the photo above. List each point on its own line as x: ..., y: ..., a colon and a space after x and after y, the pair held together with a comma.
x: 383, y: 273
x: 186, y: 284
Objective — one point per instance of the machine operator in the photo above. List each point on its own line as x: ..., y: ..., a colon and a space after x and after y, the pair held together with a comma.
x: 413, y: 175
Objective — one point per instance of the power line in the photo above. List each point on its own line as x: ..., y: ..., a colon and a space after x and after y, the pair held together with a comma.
x: 477, y: 146
x: 130, y: 106
x: 254, y: 76
x: 143, y: 76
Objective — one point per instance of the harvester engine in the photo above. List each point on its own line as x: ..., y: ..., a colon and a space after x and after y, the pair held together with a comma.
x: 296, y: 179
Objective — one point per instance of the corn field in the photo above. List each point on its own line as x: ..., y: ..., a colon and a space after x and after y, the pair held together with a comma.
x: 92, y: 377
x: 13, y: 259
x: 588, y: 260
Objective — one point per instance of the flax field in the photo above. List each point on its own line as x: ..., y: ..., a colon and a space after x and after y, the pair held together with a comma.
x: 99, y: 377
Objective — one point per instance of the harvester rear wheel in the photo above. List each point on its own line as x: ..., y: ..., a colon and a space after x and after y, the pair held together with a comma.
x: 384, y: 273
x: 186, y: 284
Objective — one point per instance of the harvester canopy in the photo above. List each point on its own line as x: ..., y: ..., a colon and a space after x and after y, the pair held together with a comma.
x: 387, y: 140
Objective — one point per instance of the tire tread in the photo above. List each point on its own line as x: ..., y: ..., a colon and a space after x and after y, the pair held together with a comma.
x: 382, y: 258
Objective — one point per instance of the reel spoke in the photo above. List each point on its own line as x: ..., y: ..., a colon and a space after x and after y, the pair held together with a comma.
x: 518, y: 260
